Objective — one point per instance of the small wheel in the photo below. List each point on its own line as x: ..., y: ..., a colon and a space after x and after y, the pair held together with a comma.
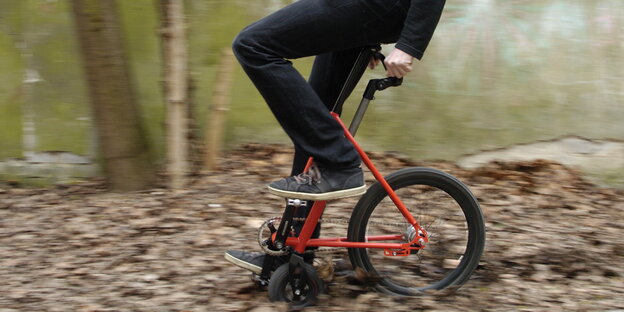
x: 280, y: 288
x: 444, y: 207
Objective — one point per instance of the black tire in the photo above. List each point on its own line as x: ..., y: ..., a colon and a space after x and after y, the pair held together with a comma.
x: 281, y: 290
x: 444, y: 207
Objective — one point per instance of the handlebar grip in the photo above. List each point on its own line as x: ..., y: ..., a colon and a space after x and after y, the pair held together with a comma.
x: 385, y: 83
x: 395, y: 82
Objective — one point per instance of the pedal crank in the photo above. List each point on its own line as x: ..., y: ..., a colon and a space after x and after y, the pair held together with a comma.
x: 275, y: 244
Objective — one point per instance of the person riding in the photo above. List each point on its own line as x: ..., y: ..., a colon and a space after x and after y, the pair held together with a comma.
x: 334, y: 31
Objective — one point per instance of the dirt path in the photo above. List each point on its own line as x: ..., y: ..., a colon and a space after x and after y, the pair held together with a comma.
x: 554, y: 243
x: 601, y: 160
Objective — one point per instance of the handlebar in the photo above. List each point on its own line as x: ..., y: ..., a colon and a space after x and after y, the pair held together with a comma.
x: 384, y: 83
x: 356, y: 73
x: 373, y: 85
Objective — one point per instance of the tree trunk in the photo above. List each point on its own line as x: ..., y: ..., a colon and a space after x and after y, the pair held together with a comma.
x: 175, y: 60
x: 121, y: 141
x: 218, y: 109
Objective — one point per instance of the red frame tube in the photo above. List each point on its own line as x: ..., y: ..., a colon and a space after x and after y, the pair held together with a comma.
x: 378, y: 176
x: 308, y: 226
x: 303, y: 240
x: 340, y: 242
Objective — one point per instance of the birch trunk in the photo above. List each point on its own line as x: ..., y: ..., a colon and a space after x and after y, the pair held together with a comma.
x: 218, y: 110
x: 175, y: 60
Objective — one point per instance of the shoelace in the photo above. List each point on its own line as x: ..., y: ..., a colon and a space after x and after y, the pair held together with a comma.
x: 311, y: 176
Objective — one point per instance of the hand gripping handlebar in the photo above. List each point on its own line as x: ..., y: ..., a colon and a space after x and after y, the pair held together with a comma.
x: 383, y: 83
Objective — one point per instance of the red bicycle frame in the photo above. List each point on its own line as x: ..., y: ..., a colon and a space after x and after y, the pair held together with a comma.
x: 390, y: 249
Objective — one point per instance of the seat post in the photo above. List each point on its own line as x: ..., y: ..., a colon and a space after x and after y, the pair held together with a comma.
x: 359, y: 115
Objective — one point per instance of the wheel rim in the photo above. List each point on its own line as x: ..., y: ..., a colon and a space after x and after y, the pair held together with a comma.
x: 444, y: 257
x: 280, y: 288
x: 290, y: 295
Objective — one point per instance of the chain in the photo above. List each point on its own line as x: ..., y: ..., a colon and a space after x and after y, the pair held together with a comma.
x: 263, y: 242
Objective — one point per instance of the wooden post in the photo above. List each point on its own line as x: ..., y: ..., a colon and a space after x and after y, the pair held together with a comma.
x: 220, y: 105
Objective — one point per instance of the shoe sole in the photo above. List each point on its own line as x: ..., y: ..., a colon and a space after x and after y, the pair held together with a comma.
x: 322, y: 196
x: 245, y: 265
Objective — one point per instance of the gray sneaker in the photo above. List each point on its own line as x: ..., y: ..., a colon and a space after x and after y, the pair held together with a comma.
x: 252, y: 260
x: 321, y: 184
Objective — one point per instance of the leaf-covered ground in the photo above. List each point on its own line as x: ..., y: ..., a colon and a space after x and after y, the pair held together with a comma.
x: 554, y: 243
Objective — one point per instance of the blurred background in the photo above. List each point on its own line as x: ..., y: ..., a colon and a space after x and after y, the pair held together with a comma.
x: 501, y: 79
x: 497, y: 73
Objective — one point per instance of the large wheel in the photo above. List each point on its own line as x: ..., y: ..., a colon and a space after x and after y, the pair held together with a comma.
x: 444, y: 207
x: 280, y: 288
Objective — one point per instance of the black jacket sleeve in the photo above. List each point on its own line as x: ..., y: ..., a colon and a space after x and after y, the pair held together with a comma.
x: 422, y: 19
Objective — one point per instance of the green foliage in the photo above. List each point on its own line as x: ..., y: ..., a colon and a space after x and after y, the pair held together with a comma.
x: 10, y: 97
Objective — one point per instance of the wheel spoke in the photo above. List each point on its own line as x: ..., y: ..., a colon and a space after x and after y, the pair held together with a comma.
x: 444, y: 208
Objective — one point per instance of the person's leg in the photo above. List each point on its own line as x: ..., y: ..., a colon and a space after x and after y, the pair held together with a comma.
x: 306, y: 28
x: 311, y: 27
x: 326, y: 26
x: 328, y: 75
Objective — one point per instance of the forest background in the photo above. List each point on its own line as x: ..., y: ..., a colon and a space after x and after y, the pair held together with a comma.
x: 498, y: 73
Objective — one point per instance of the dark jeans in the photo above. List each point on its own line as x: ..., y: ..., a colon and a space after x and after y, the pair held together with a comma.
x: 334, y: 31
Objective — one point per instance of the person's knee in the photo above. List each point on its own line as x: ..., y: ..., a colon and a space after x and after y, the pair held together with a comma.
x: 245, y: 44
